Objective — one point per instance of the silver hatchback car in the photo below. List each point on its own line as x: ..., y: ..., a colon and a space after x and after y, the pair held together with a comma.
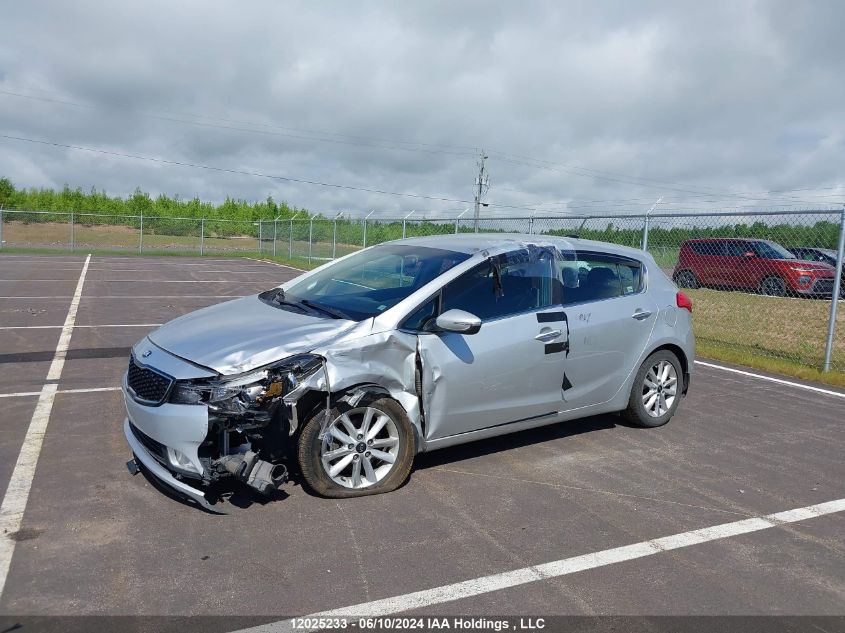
x: 350, y: 370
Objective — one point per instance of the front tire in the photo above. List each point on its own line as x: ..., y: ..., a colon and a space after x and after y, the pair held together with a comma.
x: 656, y: 392
x: 365, y: 450
x: 773, y: 287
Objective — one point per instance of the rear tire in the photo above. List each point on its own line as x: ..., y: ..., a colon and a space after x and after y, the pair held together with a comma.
x: 773, y: 287
x: 656, y: 392
x: 686, y: 279
x: 331, y: 469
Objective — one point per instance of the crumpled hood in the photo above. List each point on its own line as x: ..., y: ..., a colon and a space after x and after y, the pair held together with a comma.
x: 236, y: 336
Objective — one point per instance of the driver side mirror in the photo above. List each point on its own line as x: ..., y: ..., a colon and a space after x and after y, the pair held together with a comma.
x: 458, y: 321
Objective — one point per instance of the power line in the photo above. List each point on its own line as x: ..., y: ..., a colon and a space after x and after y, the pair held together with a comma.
x: 461, y: 150
x: 729, y: 195
x: 240, y: 171
x: 361, y: 141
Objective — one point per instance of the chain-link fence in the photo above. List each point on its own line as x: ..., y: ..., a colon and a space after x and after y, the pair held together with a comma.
x: 762, y: 282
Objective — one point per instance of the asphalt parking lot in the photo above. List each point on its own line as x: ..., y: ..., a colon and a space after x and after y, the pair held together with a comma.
x: 94, y: 540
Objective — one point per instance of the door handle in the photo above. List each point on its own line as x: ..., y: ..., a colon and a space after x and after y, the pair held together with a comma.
x: 639, y: 315
x: 548, y: 335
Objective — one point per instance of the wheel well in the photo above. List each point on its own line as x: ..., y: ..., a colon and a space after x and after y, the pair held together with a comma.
x: 316, y: 399
x: 677, y: 351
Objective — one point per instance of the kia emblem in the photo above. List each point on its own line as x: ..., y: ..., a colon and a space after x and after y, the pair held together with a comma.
x: 146, y: 353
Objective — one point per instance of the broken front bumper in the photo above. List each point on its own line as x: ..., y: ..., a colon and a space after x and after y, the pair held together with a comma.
x: 162, y: 474
x: 163, y: 436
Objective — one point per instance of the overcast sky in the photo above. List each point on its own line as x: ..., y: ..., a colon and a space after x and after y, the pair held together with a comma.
x: 574, y: 102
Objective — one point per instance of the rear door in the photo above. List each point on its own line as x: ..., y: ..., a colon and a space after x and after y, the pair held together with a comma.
x: 610, y: 318
x: 736, y: 270
x: 710, y: 256
x: 511, y: 369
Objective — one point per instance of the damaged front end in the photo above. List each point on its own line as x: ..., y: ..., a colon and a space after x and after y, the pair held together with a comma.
x: 250, y: 420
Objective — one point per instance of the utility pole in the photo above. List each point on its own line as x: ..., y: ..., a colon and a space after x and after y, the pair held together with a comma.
x: 482, y: 184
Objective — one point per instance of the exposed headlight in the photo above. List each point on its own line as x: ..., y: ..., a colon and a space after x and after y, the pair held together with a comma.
x: 234, y: 394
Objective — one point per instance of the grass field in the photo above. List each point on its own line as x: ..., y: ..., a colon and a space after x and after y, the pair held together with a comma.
x: 107, y: 237
x: 774, y: 333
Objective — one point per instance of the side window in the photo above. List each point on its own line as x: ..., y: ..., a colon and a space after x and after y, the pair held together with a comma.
x: 516, y: 282
x: 708, y: 248
x: 735, y: 249
x: 631, y: 277
x: 595, y: 276
x: 418, y: 319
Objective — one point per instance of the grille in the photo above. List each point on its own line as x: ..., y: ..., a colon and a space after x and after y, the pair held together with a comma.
x: 823, y: 286
x: 157, y: 450
x: 148, y: 386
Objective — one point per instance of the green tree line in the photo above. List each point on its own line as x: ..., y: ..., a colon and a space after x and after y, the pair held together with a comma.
x: 231, y: 217
x: 240, y: 217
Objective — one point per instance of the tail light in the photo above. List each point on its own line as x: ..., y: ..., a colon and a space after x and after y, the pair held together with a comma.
x: 683, y: 301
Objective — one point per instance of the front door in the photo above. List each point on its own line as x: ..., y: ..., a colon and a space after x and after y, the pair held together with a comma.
x: 511, y: 369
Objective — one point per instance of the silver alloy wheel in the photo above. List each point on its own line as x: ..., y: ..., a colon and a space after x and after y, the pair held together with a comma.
x: 359, y: 447
x: 660, y: 388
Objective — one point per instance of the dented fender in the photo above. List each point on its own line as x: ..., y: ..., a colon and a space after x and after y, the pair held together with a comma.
x: 380, y: 363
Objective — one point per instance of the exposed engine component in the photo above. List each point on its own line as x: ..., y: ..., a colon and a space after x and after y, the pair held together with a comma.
x: 256, y: 473
x: 250, y: 418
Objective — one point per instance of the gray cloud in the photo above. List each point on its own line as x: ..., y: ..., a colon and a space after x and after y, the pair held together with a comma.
x: 714, y: 97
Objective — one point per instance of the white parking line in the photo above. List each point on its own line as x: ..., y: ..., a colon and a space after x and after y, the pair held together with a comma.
x: 779, y: 381
x: 151, y: 270
x: 24, y: 394
x: 17, y: 492
x: 55, y: 327
x: 174, y: 262
x: 558, y: 568
x: 267, y: 261
x: 51, y: 297
x: 123, y: 281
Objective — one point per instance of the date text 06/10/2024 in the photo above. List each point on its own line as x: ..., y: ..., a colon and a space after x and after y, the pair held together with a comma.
x: 421, y: 623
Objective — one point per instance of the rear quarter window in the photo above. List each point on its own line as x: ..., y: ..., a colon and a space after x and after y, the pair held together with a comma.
x: 707, y: 248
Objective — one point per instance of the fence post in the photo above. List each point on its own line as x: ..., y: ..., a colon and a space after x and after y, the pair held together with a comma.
x: 334, y: 235
x: 260, y: 226
x: 275, y: 230
x: 202, y: 236
x: 141, y: 236
x: 404, y: 220
x: 290, y: 244
x: 367, y: 217
x: 1, y: 226
x: 457, y: 219
x: 310, y: 238
x: 644, y: 245
x: 72, y: 240
x: 834, y: 299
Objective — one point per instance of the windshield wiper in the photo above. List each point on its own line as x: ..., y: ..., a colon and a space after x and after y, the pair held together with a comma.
x: 335, y: 314
x: 276, y: 297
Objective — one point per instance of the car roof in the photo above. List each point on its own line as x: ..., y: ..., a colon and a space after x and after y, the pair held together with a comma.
x: 472, y: 243
x: 726, y: 239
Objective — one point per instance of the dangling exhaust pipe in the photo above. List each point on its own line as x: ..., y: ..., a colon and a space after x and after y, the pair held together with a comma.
x: 256, y: 473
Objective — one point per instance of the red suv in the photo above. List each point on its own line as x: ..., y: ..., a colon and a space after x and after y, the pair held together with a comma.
x: 760, y: 265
